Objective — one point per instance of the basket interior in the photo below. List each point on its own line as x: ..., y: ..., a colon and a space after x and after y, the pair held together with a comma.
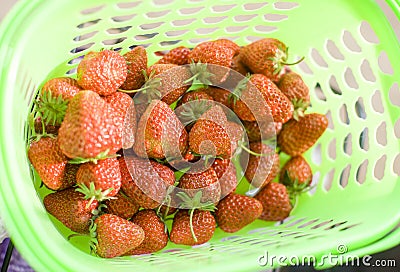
x: 350, y: 52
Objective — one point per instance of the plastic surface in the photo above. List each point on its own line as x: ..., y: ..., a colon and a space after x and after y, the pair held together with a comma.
x: 350, y: 65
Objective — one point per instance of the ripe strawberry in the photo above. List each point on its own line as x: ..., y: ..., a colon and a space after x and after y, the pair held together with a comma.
x: 269, y: 130
x: 145, y: 182
x: 238, y: 66
x: 235, y: 211
x: 296, y: 171
x: 257, y: 98
x: 266, y: 56
x: 293, y: 86
x: 136, y: 61
x: 65, y: 86
x: 156, y: 237
x: 210, y: 134
x: 205, y: 182
x: 105, y: 175
x: 87, y: 110
x: 178, y: 56
x: 125, y: 108
x: 50, y: 163
x: 226, y: 173
x: 203, y: 226
x: 275, y: 201
x: 296, y: 137
x: 219, y: 95
x: 159, y: 133
x: 122, y: 206
x: 70, y: 208
x: 261, y: 170
x: 195, y: 95
x: 236, y: 133
x: 116, y: 236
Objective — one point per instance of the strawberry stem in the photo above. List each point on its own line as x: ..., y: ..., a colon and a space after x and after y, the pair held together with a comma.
x: 100, y: 156
x: 191, y: 212
x: 294, y: 63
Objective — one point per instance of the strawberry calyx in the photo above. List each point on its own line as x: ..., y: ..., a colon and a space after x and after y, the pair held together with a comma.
x: 35, y: 137
x: 235, y: 95
x: 294, y: 187
x: 150, y: 87
x: 300, y: 106
x: 93, y: 243
x: 200, y: 74
x: 92, y: 193
x: 52, y: 109
x: 100, y: 156
x: 192, y: 111
x: 167, y: 202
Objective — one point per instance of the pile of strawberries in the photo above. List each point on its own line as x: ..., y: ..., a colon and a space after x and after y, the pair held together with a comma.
x: 126, y: 146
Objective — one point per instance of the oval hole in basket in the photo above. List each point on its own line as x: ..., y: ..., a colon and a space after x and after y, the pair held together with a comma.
x: 82, y: 48
x: 360, y: 108
x: 348, y: 145
x: 175, y: 33
x: 316, y: 156
x: 285, y: 5
x: 223, y: 8
x: 379, y: 168
x: 384, y: 63
x: 294, y: 223
x: 162, y: 2
x: 362, y: 172
x: 123, y: 18
x: 244, y: 18
x: 397, y: 128
x: 144, y: 37
x: 305, y: 68
x: 92, y: 10
x: 117, y: 30
x: 349, y: 227
x: 168, y: 43
x: 335, y: 225
x: 274, y: 17
x: 235, y: 29
x: 350, y: 78
x: 214, y: 20
x: 151, y: 25
x: 344, y: 176
x: 157, y: 14
x: 196, y: 41
x: 316, y: 56
x: 376, y: 101
x: 364, y: 139
x: 394, y: 94
x: 190, y: 11
x: 350, y: 42
x: 396, y: 165
x: 368, y: 33
x: 290, y: 234
x: 333, y: 50
x: 308, y: 223
x: 85, y: 36
x: 332, y: 149
x: 321, y: 224
x: 328, y: 179
x: 366, y: 71
x: 265, y: 28
x: 315, y: 180
x: 229, y: 238
x: 205, y: 31
x: 88, y: 23
x: 253, y: 6
x: 184, y: 22
x: 114, y: 41
x: 334, y: 86
x: 330, y: 121
x: 381, y: 134
x: 344, y: 115
x: 128, y: 5
x: 319, y: 93
x: 71, y: 71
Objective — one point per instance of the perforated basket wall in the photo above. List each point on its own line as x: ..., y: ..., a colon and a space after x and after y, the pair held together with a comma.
x: 351, y: 66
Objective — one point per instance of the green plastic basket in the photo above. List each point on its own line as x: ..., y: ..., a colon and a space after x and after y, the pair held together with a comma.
x: 351, y: 66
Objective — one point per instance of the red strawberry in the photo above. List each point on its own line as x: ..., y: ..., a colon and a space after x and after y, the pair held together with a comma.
x: 266, y: 56
x: 275, y: 201
x: 65, y: 86
x: 87, y: 110
x: 50, y: 163
x: 178, y: 56
x: 203, y: 226
x: 121, y: 205
x: 159, y: 133
x: 105, y: 175
x: 71, y: 209
x: 205, y: 182
x: 146, y: 182
x: 235, y: 211
x: 296, y: 137
x: 238, y: 66
x: 258, y: 98
x: 226, y: 173
x: 269, y: 130
x: 219, y: 95
x: 236, y: 132
x: 125, y: 108
x: 116, y: 236
x: 195, y: 95
x: 210, y: 134
x: 102, y: 72
x: 296, y: 171
x: 136, y: 61
x: 156, y: 237
x: 262, y: 169
x: 293, y: 86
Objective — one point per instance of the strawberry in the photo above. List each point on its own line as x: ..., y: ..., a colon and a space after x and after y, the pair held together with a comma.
x: 296, y: 171
x: 296, y: 137
x: 45, y: 129
x: 226, y: 173
x: 235, y: 211
x: 269, y: 130
x: 102, y: 72
x: 219, y: 95
x: 293, y: 86
x: 145, y: 182
x: 125, y: 108
x: 257, y: 98
x: 266, y: 56
x: 65, y: 86
x: 261, y: 169
x: 275, y: 201
x: 116, y: 236
x: 50, y: 163
x: 159, y: 133
x: 121, y: 205
x: 87, y: 110
x: 178, y: 56
x: 105, y: 176
x: 199, y: 232
x: 70, y: 208
x: 205, y: 182
x: 238, y: 66
x: 136, y: 61
x: 195, y: 95
x: 155, y: 235
x: 210, y: 134
x: 236, y: 133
